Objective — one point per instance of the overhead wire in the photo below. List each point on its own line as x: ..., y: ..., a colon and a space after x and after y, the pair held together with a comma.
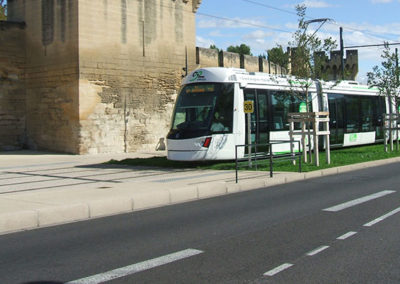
x: 243, y: 22
x: 333, y: 23
x: 234, y: 20
x: 227, y: 19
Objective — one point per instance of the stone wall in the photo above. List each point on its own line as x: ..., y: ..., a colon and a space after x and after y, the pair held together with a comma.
x: 51, y: 46
x: 206, y: 57
x: 332, y: 66
x: 131, y: 56
x: 102, y: 75
x: 12, y: 87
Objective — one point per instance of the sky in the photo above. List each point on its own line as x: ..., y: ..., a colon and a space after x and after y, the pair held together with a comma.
x: 264, y: 24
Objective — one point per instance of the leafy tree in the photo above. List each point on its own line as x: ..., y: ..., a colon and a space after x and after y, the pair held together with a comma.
x: 304, y: 46
x: 278, y: 56
x: 3, y: 10
x: 213, y: 46
x: 386, y: 76
x: 386, y: 79
x: 304, y: 65
x: 241, y: 49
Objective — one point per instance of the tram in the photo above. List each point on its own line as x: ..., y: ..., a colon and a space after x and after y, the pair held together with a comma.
x: 209, y: 120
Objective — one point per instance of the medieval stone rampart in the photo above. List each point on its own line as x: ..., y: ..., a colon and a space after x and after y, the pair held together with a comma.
x: 51, y: 72
x: 131, y: 56
x: 332, y: 66
x: 12, y: 85
x: 102, y: 75
x: 206, y: 57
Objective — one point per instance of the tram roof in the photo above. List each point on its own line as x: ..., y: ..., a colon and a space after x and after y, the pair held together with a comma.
x: 237, y: 75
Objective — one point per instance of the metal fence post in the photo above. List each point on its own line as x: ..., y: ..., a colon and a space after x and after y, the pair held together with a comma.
x: 236, y: 161
x: 270, y: 161
x: 299, y: 158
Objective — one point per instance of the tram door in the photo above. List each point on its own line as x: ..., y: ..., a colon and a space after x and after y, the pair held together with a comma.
x: 336, y: 118
x: 260, y: 118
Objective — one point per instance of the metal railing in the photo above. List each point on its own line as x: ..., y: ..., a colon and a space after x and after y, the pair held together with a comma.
x: 267, y: 155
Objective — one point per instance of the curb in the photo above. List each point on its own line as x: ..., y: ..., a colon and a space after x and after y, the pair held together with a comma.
x: 56, y: 215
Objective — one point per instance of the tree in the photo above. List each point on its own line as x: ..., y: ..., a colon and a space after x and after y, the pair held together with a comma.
x: 241, y: 49
x: 386, y: 76
x: 3, y: 10
x: 213, y: 46
x: 304, y: 65
x: 386, y: 79
x: 303, y: 48
x: 278, y: 56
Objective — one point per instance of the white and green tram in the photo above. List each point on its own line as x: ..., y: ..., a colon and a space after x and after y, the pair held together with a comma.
x: 209, y: 120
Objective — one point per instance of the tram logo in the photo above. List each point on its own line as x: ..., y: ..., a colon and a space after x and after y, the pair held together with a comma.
x: 197, y: 76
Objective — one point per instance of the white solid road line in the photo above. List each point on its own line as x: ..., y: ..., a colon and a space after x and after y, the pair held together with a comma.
x: 317, y: 250
x: 138, y: 267
x: 359, y: 201
x: 377, y: 220
x: 347, y: 235
x: 278, y: 269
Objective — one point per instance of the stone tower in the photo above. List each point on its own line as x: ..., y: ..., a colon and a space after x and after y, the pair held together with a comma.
x: 332, y: 66
x: 102, y: 75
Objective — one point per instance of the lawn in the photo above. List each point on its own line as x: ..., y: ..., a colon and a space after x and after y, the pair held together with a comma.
x: 339, y: 157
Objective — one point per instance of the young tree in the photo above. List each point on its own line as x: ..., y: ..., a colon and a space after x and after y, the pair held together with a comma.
x: 241, y: 49
x: 386, y: 76
x: 386, y: 79
x: 3, y: 10
x: 304, y: 46
x: 304, y: 65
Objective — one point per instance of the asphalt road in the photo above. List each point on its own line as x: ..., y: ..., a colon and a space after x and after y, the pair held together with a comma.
x: 293, y: 233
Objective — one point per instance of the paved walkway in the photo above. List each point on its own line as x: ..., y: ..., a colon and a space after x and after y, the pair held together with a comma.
x: 40, y: 189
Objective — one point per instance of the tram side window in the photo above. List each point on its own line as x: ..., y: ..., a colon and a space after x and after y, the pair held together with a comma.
x: 282, y: 104
x: 361, y: 113
x: 223, y: 114
x: 352, y: 104
x: 367, y: 113
x: 336, y: 117
x: 380, y: 109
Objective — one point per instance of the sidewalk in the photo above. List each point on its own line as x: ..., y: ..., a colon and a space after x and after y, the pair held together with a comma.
x: 39, y: 189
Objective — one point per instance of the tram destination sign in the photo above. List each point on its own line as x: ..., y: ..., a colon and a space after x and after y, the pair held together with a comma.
x: 248, y: 106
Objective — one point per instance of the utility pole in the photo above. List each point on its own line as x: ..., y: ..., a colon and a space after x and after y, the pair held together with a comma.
x: 342, y: 52
x: 397, y: 66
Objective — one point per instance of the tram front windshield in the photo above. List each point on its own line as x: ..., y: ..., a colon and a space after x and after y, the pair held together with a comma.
x: 203, y: 109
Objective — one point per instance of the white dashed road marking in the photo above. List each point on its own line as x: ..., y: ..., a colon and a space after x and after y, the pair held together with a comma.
x: 347, y: 235
x: 377, y: 220
x: 359, y: 201
x: 317, y: 250
x: 278, y: 269
x: 138, y: 267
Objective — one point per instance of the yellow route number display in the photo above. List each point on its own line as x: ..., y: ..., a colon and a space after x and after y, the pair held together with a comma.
x: 248, y: 106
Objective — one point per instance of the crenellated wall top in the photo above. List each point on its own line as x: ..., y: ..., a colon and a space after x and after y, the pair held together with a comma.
x: 196, y: 4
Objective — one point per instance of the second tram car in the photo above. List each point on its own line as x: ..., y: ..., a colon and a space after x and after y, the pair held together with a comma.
x: 209, y: 120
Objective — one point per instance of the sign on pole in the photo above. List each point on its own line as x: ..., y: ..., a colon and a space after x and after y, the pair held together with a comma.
x: 248, y: 107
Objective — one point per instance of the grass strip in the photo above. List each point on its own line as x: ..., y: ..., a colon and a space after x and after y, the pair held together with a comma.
x: 339, y: 157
